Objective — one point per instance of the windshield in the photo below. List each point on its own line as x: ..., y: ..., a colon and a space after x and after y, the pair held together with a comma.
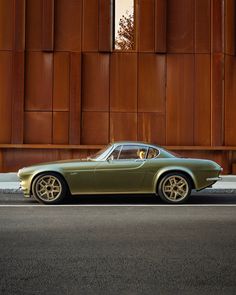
x: 101, y: 153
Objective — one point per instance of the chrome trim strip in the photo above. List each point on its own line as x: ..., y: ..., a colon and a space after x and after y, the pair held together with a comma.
x: 213, y: 179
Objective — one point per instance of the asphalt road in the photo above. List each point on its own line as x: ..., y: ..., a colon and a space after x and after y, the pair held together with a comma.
x: 112, y: 246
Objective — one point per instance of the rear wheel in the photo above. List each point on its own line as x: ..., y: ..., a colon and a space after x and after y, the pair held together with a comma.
x: 49, y: 188
x: 174, y: 188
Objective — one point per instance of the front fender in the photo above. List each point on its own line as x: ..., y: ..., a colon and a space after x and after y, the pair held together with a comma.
x: 27, y: 178
x: 166, y: 170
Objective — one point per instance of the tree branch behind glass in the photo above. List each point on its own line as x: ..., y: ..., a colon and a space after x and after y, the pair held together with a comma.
x: 125, y: 39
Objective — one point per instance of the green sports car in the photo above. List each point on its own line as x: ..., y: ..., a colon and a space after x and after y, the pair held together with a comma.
x: 120, y: 168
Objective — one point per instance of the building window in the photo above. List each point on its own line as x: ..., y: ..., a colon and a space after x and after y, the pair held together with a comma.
x: 124, y: 25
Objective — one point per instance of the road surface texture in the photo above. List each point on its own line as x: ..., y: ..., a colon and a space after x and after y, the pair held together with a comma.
x: 118, y: 246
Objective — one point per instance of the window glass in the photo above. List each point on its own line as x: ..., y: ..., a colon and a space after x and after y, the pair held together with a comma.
x: 115, y: 154
x: 124, y: 29
x: 152, y: 153
x: 133, y: 152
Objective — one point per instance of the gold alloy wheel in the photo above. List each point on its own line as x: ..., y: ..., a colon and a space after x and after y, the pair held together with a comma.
x: 175, y: 188
x: 48, y: 188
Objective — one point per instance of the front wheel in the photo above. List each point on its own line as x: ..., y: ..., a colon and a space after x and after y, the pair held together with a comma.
x: 49, y: 188
x: 174, y: 188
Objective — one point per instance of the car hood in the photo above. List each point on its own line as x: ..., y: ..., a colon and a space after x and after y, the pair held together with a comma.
x: 30, y: 169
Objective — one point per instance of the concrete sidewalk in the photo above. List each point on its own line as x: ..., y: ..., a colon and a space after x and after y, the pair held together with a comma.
x: 9, y: 183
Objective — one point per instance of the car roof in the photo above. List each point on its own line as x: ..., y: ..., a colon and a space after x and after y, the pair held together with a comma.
x: 134, y: 143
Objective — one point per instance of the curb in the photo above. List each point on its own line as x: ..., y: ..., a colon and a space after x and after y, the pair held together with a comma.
x: 10, y: 191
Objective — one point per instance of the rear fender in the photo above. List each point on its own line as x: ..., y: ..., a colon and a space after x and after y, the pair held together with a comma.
x: 160, y: 173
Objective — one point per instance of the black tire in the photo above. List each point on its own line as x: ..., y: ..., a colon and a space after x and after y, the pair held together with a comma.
x: 49, y: 188
x: 174, y: 188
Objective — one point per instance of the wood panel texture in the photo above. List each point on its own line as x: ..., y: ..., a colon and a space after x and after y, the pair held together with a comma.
x: 202, y: 26
x: 160, y: 25
x: 123, y: 82
x: 90, y: 25
x: 5, y: 96
x: 202, y: 100
x: 34, y: 12
x: 105, y: 25
x: 39, y: 81
x: 146, y: 18
x: 151, y: 82
x: 75, y: 98
x: 230, y: 27
x: 180, y: 26
x: 95, y: 88
x: 6, y: 24
x: 230, y: 101
x: 61, y: 81
x: 18, y: 69
x: 19, y: 25
x: 48, y: 25
x: 95, y: 127
x: 38, y: 127
x: 217, y: 99
x: 60, y: 128
x: 180, y: 99
x: 123, y: 126
x: 68, y: 25
x: 217, y: 20
x: 152, y: 128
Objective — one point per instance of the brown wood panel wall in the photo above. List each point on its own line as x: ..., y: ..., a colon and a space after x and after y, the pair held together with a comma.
x: 6, y: 24
x: 68, y: 22
x: 39, y: 81
x: 38, y: 127
x: 60, y: 128
x: 90, y: 25
x: 75, y: 98
x: 152, y: 128
x: 33, y: 29
x: 95, y: 82
x: 160, y: 25
x: 5, y: 96
x: 123, y: 126
x: 60, y: 82
x: 48, y: 25
x: 18, y: 71
x: 230, y: 27
x: 151, y: 82
x: 202, y: 26
x: 18, y: 67
x: 180, y: 99
x: 217, y: 20
x: 146, y: 25
x: 180, y: 26
x: 123, y: 82
x: 105, y: 25
x: 95, y: 128
x: 217, y: 99
x: 202, y: 100
x: 230, y: 101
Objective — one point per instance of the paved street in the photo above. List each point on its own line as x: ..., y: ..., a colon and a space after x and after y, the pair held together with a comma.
x: 114, y: 248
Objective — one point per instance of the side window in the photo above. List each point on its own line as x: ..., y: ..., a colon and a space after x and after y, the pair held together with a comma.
x: 152, y: 153
x: 133, y: 152
x: 115, y: 154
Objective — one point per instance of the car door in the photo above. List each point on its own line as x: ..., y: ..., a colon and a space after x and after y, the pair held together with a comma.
x: 122, y: 171
x: 80, y: 177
